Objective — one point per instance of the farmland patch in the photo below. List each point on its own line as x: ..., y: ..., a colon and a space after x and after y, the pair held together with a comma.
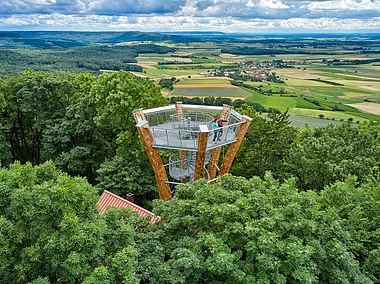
x: 367, y: 107
x: 233, y: 92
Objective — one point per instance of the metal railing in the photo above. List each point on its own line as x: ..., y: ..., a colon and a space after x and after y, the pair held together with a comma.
x: 175, y: 138
x: 229, y: 131
x: 188, y: 139
x: 179, y: 169
x: 170, y: 116
x: 158, y: 118
x: 191, y: 121
x: 184, y: 168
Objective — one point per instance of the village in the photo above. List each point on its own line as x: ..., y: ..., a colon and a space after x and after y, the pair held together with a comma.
x: 256, y: 71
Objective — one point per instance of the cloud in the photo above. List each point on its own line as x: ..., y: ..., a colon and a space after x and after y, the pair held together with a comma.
x: 343, y: 9
x: 266, y: 9
x: 161, y: 15
x: 345, y: 5
x: 165, y: 23
x: 42, y: 6
x: 99, y: 7
x: 272, y: 5
x: 277, y: 9
x: 106, y: 7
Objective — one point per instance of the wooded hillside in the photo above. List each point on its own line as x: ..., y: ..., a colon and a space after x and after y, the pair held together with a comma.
x: 301, y: 206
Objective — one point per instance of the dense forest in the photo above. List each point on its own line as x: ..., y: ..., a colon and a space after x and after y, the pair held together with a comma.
x: 300, y: 206
x: 78, y: 59
x: 67, y: 39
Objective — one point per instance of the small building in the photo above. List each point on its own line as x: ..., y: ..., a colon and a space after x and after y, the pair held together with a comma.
x: 108, y: 199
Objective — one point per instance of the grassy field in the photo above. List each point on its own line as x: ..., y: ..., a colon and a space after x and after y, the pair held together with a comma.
x: 233, y: 93
x: 275, y: 101
x: 301, y: 121
x: 328, y: 115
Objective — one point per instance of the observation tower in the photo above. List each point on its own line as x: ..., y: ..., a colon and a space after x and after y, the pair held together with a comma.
x: 187, y: 131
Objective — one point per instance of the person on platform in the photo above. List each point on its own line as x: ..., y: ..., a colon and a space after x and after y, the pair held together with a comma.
x: 215, y: 128
x: 221, y: 123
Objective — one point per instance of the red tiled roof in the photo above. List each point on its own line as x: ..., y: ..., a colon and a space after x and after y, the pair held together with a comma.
x: 109, y: 199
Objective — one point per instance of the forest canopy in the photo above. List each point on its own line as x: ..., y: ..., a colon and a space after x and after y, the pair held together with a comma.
x: 76, y: 59
x: 236, y: 231
x: 301, y: 206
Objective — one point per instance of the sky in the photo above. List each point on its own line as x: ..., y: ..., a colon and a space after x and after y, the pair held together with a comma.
x: 248, y: 16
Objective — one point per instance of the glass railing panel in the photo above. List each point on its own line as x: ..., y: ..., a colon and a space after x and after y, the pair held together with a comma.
x: 188, y: 139
x: 175, y: 138
x: 160, y: 136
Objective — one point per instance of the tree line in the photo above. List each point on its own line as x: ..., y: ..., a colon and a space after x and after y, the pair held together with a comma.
x: 301, y: 206
x: 220, y: 101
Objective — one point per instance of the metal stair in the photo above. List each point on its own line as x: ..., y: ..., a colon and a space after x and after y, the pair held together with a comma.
x: 185, y: 169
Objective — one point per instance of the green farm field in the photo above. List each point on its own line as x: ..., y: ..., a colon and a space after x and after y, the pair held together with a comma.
x: 333, y: 115
x: 233, y: 93
x: 302, y: 121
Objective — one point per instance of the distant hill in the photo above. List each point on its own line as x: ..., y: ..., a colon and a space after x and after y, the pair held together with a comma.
x: 148, y: 36
x: 59, y: 39
x: 199, y: 34
x: 9, y: 34
x: 38, y: 40
x: 69, y: 39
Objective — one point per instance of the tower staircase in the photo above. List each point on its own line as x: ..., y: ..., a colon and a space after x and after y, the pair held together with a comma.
x: 180, y: 169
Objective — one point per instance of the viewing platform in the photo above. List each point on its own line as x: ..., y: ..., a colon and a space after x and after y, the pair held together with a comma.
x: 187, y: 130
x: 171, y: 130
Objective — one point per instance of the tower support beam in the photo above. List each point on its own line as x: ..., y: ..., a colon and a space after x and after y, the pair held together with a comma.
x: 153, y: 155
x: 214, y: 159
x: 201, y: 154
x: 234, y: 147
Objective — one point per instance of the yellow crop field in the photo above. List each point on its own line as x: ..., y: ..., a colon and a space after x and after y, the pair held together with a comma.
x: 367, y: 107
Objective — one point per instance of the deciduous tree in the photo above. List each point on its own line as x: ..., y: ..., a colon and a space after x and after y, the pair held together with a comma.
x: 265, y: 146
x: 255, y: 231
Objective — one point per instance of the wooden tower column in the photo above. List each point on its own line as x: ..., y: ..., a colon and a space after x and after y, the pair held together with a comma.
x: 234, y: 147
x: 179, y: 110
x: 215, y: 153
x: 201, y: 154
x: 154, y: 157
x: 225, y: 114
x: 214, y: 159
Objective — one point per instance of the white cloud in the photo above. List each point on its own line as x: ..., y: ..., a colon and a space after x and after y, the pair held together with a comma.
x: 273, y: 5
x: 250, y: 4
x: 345, y: 5
x: 224, y: 15
x: 166, y: 23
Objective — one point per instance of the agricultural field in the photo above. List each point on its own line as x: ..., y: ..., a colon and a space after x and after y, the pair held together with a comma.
x: 301, y: 121
x: 311, y: 89
x: 206, y: 87
x: 201, y: 91
x: 330, y: 78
